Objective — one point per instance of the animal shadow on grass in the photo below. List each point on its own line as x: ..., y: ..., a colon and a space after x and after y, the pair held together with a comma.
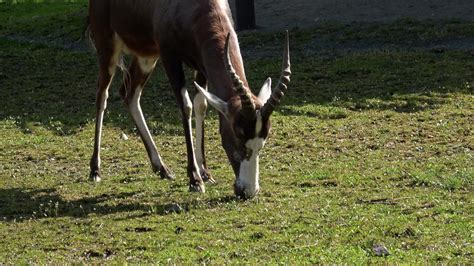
x: 18, y: 204
x: 55, y: 89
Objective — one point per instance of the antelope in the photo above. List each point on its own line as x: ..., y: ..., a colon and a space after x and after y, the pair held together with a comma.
x: 199, y: 34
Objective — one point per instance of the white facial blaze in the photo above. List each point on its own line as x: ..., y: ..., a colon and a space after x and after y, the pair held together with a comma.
x: 249, y: 170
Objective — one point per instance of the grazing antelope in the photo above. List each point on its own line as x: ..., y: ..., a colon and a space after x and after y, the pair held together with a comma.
x: 200, y: 34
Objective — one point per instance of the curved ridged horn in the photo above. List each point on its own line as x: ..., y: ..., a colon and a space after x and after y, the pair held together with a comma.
x: 248, y: 105
x: 282, y: 85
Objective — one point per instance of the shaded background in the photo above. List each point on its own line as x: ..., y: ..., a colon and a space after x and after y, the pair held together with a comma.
x: 282, y: 14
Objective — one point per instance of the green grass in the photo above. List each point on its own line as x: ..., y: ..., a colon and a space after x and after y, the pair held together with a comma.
x: 369, y: 148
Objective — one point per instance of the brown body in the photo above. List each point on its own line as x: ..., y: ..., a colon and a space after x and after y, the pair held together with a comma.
x: 177, y: 32
x: 177, y: 27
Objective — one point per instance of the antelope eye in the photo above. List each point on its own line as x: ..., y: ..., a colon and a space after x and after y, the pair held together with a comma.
x: 248, y: 154
x: 237, y: 156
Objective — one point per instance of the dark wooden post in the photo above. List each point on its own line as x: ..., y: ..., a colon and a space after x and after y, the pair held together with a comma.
x: 245, y: 12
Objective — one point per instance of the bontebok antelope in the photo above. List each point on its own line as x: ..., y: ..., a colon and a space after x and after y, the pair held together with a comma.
x: 200, y: 34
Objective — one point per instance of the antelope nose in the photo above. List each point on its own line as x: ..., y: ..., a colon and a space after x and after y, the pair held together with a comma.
x: 245, y: 193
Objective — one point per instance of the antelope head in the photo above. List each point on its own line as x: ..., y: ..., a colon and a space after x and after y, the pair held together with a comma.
x: 245, y: 122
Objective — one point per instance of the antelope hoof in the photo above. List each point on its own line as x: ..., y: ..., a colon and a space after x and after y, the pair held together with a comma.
x: 207, y: 177
x: 165, y: 172
x: 199, y: 187
x: 95, y: 176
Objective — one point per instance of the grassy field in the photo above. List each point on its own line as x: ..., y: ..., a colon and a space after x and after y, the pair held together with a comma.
x: 370, y: 159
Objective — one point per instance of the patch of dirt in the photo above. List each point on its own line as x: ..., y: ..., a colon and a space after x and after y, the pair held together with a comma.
x: 283, y: 14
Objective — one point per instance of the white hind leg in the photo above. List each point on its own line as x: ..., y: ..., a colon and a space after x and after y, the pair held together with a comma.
x: 108, y: 59
x: 138, y: 73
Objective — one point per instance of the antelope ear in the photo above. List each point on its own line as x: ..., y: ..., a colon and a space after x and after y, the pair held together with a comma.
x: 265, y: 91
x: 213, y: 100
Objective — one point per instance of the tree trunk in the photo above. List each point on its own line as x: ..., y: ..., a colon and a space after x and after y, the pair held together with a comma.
x: 245, y: 12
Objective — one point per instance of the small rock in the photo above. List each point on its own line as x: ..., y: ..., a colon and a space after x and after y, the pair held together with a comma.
x: 438, y: 50
x: 123, y: 136
x: 139, y: 229
x: 380, y: 250
x: 108, y: 253
x: 178, y: 230
x: 173, y: 207
x: 92, y: 254
x: 257, y: 235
